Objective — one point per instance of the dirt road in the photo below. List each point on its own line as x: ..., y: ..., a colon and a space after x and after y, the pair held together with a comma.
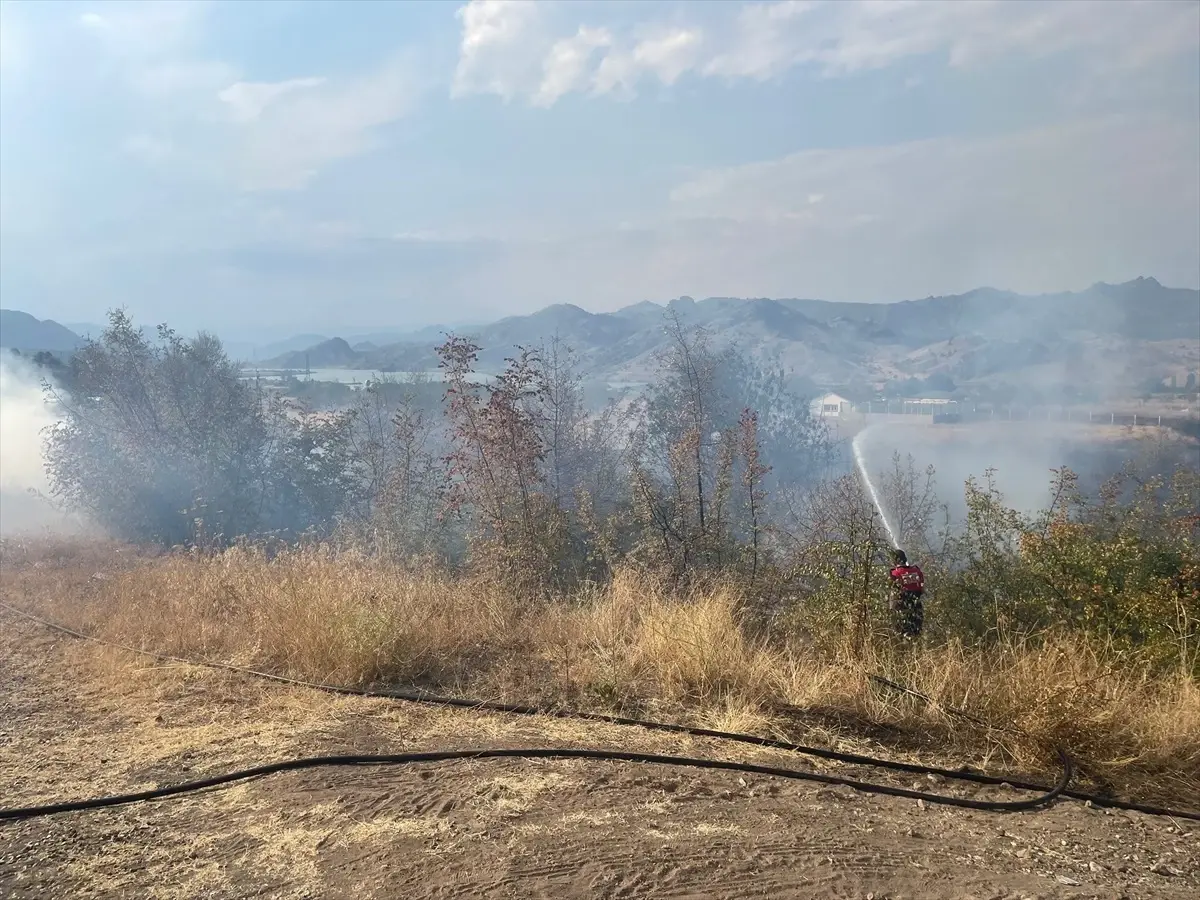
x: 76, y: 721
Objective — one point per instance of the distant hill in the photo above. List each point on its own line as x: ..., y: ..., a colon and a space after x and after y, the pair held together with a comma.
x: 333, y: 353
x: 1102, y: 334
x: 21, y: 331
x: 247, y: 351
x: 382, y: 338
x: 271, y: 353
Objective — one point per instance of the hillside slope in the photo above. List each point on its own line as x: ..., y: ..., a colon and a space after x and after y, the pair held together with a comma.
x: 21, y: 331
x: 1106, y: 333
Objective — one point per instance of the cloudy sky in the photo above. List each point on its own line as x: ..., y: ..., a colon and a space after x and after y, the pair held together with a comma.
x: 337, y: 165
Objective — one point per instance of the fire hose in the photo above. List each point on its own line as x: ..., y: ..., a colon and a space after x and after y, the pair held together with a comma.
x: 1046, y: 794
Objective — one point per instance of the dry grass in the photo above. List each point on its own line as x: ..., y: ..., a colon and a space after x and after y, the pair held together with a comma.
x: 342, y: 618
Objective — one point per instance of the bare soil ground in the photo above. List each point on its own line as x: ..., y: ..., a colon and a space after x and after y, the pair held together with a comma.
x: 77, y: 720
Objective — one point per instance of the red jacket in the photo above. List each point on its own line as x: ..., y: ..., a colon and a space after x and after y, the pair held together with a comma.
x: 909, y: 578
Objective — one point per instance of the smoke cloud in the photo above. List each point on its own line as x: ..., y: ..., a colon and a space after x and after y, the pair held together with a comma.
x: 1022, y: 456
x: 24, y: 413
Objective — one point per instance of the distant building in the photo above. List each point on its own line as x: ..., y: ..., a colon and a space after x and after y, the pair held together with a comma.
x: 929, y: 405
x: 925, y: 406
x: 831, y: 406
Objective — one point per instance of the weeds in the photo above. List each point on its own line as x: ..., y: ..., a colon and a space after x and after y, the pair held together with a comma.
x: 631, y: 646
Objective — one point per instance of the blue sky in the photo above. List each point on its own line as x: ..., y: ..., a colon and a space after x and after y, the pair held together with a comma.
x: 334, y: 166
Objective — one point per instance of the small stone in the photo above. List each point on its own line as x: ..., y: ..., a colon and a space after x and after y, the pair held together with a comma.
x: 921, y: 804
x: 1067, y: 879
x: 1095, y: 867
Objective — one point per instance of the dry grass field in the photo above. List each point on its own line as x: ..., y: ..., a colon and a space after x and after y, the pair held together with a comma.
x: 77, y: 719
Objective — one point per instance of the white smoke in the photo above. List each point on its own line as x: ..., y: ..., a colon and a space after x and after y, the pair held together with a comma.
x: 24, y: 413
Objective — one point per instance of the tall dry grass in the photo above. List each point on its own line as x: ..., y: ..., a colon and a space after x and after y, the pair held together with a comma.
x: 342, y: 618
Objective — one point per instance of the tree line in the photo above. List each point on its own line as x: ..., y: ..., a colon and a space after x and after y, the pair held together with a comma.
x: 717, y: 471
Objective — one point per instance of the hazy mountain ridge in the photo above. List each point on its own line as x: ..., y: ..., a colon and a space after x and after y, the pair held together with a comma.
x: 1106, y: 332
x: 1104, y: 335
x: 21, y: 331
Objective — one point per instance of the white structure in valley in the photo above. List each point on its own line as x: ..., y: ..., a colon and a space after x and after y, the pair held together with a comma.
x: 831, y: 406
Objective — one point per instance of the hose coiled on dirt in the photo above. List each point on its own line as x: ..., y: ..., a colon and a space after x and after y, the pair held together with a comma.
x: 1047, y: 793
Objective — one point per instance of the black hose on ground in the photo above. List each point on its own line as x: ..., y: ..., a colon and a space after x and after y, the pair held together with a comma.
x: 1048, y: 793
x: 289, y: 765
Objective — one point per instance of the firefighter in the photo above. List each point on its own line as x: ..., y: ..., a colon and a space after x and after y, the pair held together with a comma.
x: 908, y: 586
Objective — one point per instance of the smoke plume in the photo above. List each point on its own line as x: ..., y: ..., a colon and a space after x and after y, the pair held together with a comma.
x: 24, y: 413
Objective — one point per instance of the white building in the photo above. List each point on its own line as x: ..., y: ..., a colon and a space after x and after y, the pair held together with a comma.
x: 831, y: 406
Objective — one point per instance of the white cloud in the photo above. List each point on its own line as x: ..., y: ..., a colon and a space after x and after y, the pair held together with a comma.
x: 262, y: 135
x: 667, y: 55
x: 147, y: 29
x: 763, y: 45
x: 510, y: 47
x: 1042, y: 209
x: 494, y: 55
x: 179, y: 77
x: 565, y: 68
x: 157, y: 45
x: 846, y: 37
x: 248, y: 99
x: 289, y: 130
x: 271, y: 135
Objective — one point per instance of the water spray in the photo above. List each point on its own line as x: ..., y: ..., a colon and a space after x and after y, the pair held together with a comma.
x: 864, y: 473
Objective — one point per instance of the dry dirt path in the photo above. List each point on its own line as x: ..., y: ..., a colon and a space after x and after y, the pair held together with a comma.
x: 77, y: 722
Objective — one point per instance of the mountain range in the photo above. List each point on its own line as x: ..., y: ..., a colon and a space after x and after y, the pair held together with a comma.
x: 1107, y: 333
x: 22, y: 331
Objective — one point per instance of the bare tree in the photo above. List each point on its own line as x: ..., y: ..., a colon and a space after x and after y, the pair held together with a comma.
x: 836, y: 547
x: 563, y: 415
x: 911, y: 499
x: 396, y: 450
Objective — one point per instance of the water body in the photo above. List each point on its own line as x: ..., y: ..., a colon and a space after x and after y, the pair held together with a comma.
x: 359, y: 377
x: 349, y: 376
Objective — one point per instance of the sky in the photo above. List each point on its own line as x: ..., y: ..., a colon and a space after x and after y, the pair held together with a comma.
x: 278, y: 167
